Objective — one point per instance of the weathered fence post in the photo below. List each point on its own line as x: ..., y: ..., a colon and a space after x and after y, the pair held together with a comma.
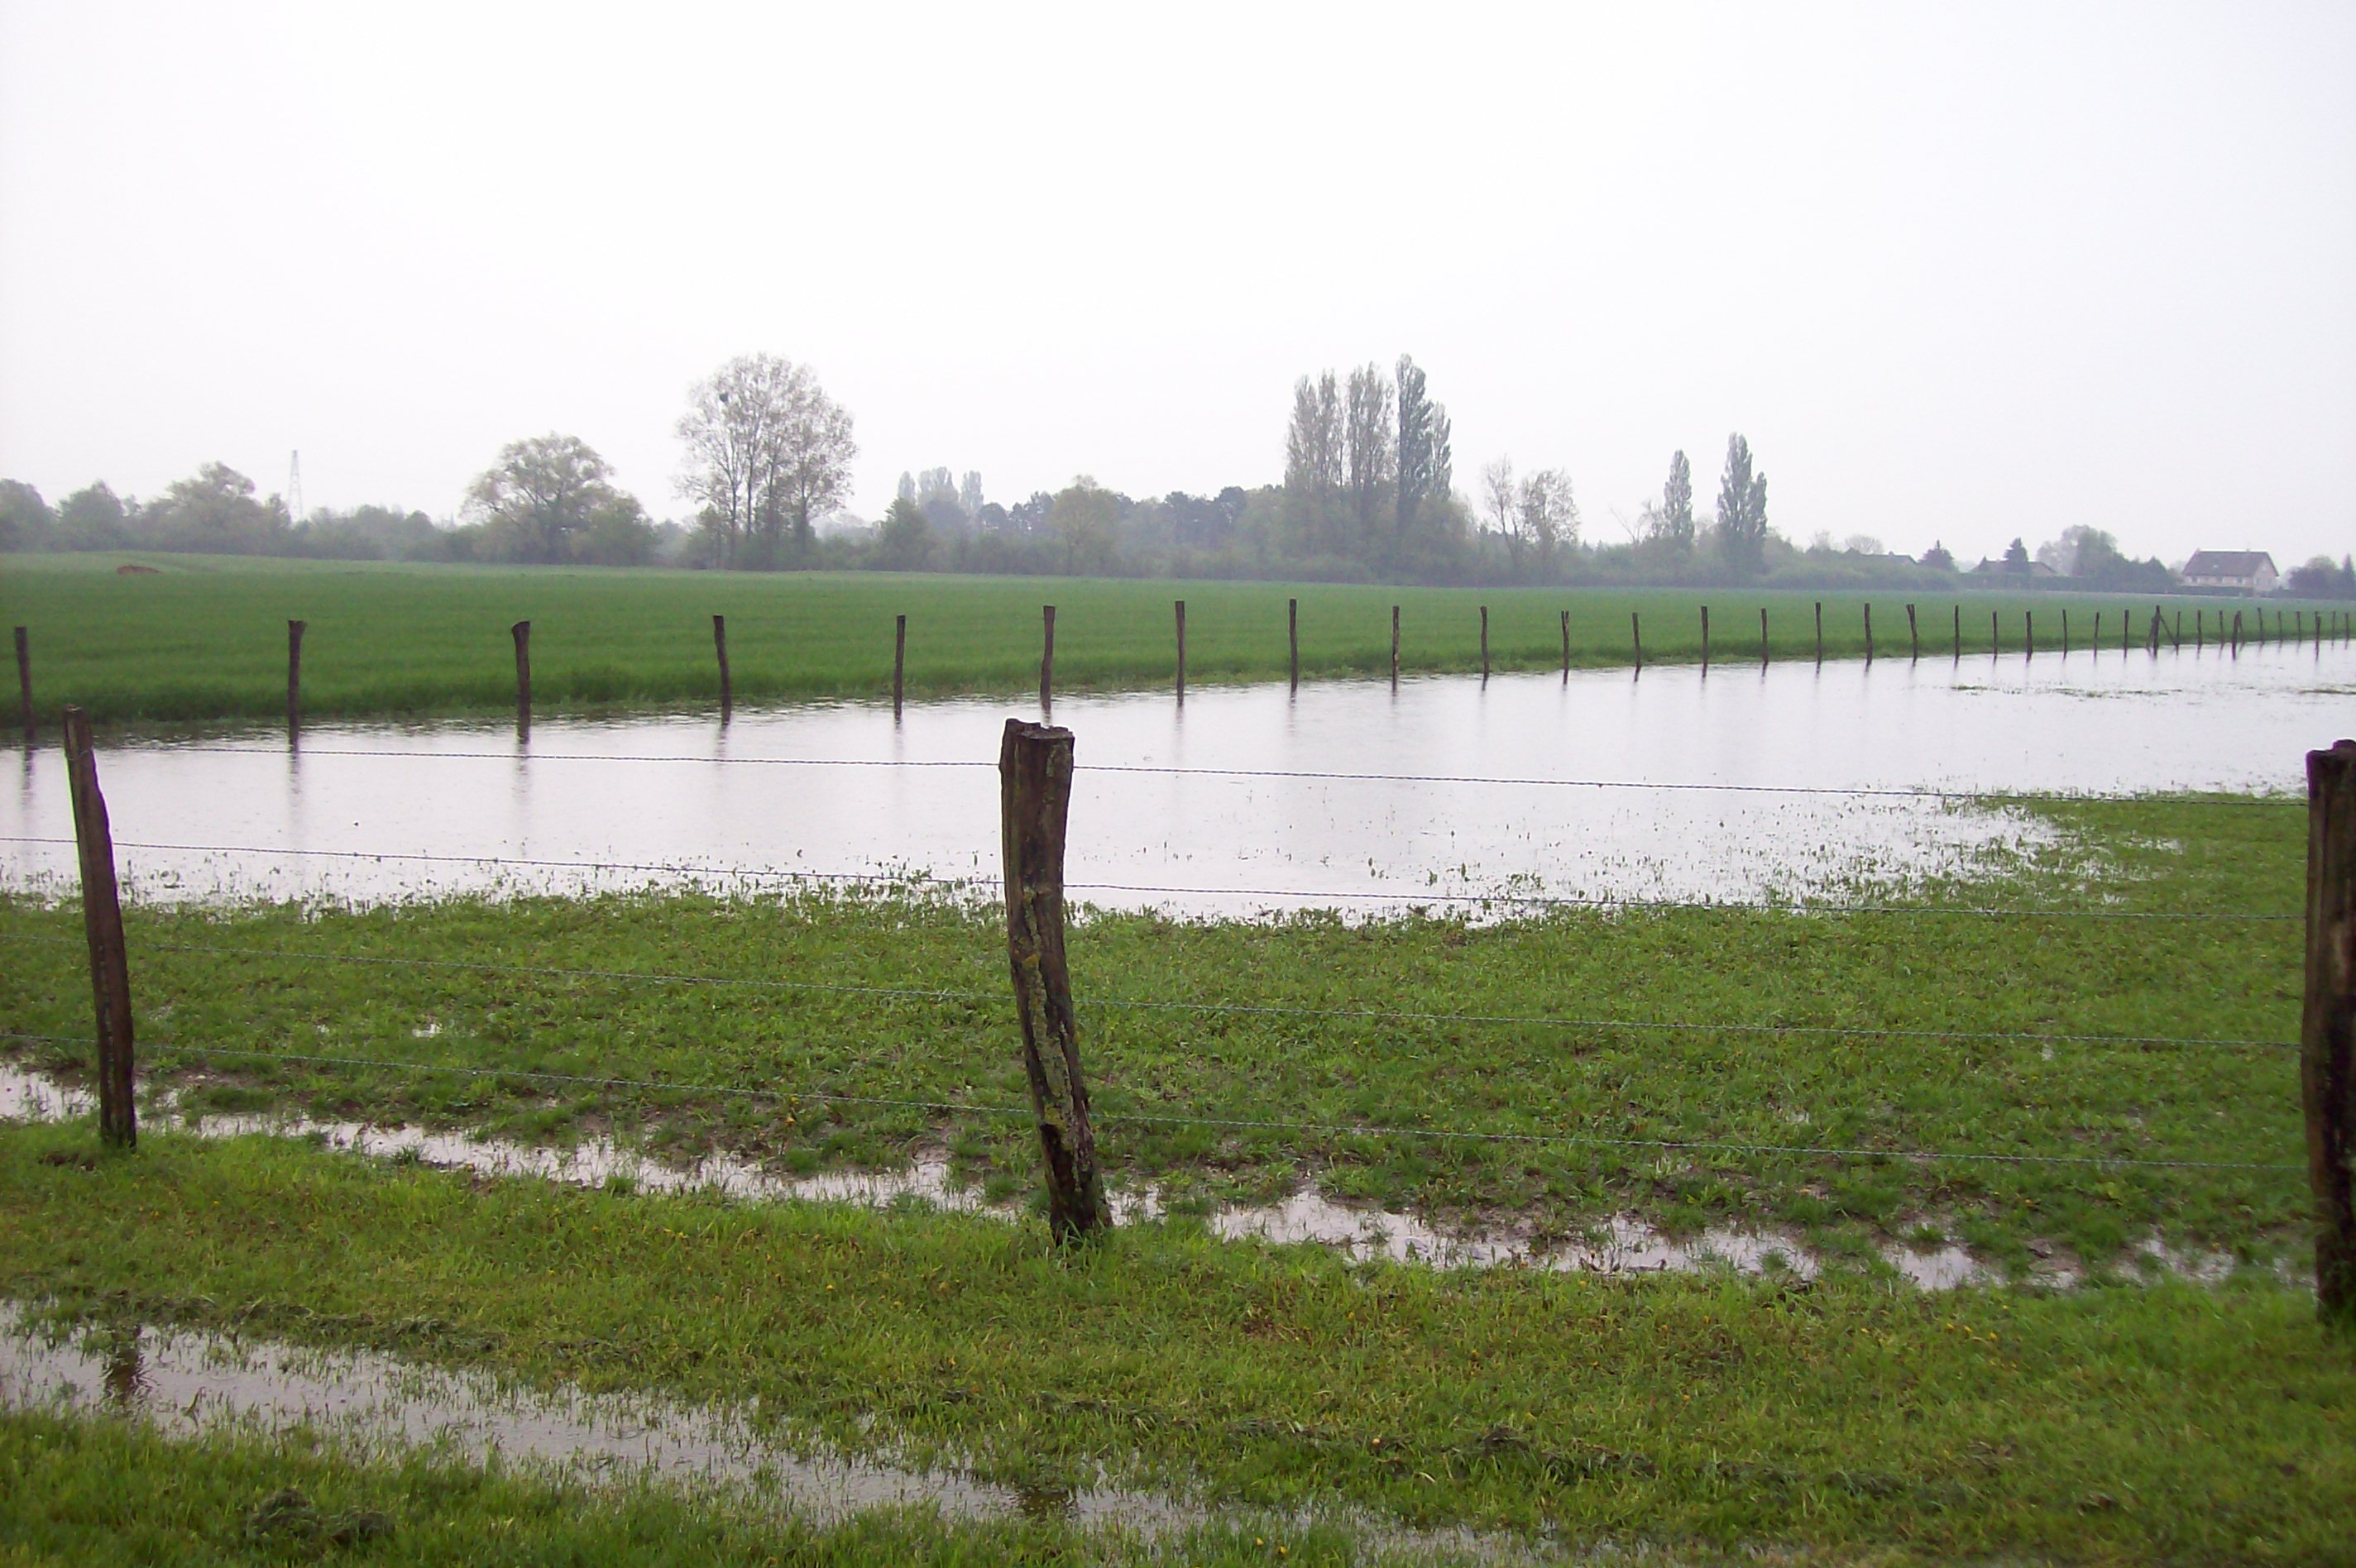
x: 720, y: 646
x: 899, y: 662
x: 1636, y: 636
x: 1485, y: 644
x: 1820, y: 631
x: 2065, y: 632
x: 1995, y: 637
x: 1181, y: 603
x: 1959, y: 634
x: 25, y: 681
x: 2127, y: 632
x: 2297, y: 625
x: 294, y: 676
x: 102, y: 920
x: 1566, y: 645
x: 1705, y: 639
x: 1035, y: 783
x: 1047, y: 658
x: 1913, y: 638
x: 2028, y: 632
x: 1292, y: 635
x: 2237, y: 631
x: 1868, y: 633
x: 2097, y: 644
x: 2327, y: 1026
x: 1394, y: 609
x: 2176, y: 638
x: 2199, y: 631
x: 1762, y: 636
x: 521, y: 632
x: 2154, y: 631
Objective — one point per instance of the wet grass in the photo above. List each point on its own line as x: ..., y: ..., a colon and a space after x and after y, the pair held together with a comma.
x: 812, y: 1052
x: 205, y: 637
x: 1850, y: 1417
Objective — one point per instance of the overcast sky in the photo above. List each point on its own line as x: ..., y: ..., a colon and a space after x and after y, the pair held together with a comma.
x: 1959, y: 272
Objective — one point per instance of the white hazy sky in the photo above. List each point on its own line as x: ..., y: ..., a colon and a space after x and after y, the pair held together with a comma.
x: 1959, y: 271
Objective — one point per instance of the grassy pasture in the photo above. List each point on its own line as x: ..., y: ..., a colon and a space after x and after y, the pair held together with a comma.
x: 205, y: 637
x: 238, y: 979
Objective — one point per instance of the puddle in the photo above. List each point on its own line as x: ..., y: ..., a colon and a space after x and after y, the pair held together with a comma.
x: 1621, y: 1244
x: 187, y: 1383
x: 1267, y: 809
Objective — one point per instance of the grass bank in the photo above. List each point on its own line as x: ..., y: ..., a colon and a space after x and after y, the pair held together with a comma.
x: 1543, y: 1073
x: 204, y: 638
x: 1847, y: 1418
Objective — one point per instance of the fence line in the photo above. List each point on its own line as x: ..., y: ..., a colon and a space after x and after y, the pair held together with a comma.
x: 907, y: 993
x: 1341, y: 1129
x: 918, y: 877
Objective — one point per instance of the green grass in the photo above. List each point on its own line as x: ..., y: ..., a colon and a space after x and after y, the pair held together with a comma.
x: 1365, y: 1086
x: 205, y: 638
x: 1850, y: 1417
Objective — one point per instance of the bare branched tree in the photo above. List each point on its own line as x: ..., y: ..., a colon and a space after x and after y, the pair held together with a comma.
x: 1499, y: 498
x: 767, y: 454
x: 1372, y: 459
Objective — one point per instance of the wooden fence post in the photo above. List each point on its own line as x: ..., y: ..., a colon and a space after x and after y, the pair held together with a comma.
x: 720, y: 646
x: 1820, y: 631
x: 2154, y: 631
x: 1395, y: 610
x: 899, y: 662
x: 102, y: 919
x: 1959, y: 634
x: 1868, y: 633
x: 2237, y: 633
x: 1566, y: 645
x: 294, y: 675
x: 1913, y: 638
x: 1995, y: 637
x: 2028, y: 632
x: 1705, y: 639
x: 2199, y: 631
x: 1047, y: 658
x: 2127, y: 632
x: 2097, y: 644
x: 1485, y: 644
x: 1181, y: 648
x: 2176, y: 638
x: 1762, y: 636
x: 25, y: 681
x: 1292, y: 635
x: 1035, y: 782
x: 521, y: 632
x: 2065, y: 632
x: 2328, y: 1026
x: 1636, y: 636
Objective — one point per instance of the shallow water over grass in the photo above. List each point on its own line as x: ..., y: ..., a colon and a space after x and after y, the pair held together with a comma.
x: 454, y: 808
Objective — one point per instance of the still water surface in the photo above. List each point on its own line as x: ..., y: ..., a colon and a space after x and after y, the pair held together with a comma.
x: 674, y: 799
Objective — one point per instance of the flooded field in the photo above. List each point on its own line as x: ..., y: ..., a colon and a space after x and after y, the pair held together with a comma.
x: 1667, y: 784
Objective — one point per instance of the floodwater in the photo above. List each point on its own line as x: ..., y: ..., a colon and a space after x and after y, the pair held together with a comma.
x: 1603, y: 802
x: 1614, y: 1245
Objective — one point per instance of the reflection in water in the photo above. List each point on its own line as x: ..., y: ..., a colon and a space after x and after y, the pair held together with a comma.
x: 1279, y: 804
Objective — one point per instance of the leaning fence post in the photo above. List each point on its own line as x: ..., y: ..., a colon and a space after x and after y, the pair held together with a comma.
x: 1395, y: 610
x: 1868, y: 633
x: 1181, y: 648
x: 1047, y: 658
x: 1566, y: 645
x: 720, y: 646
x: 2237, y: 631
x: 1636, y: 636
x: 1035, y: 783
x: 1996, y: 635
x: 1292, y: 635
x: 102, y: 919
x: 1913, y: 638
x: 25, y: 681
x: 521, y: 632
x: 899, y: 662
x: 1762, y: 636
x: 2328, y: 1026
x: 1484, y: 643
x: 2065, y: 632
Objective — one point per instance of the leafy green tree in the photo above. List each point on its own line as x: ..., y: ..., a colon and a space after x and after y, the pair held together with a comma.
x: 904, y: 540
x: 1742, y: 509
x: 1084, y: 522
x: 24, y: 518
x: 541, y: 496
x: 1938, y: 558
x: 215, y: 510
x: 1674, y: 522
x: 93, y: 517
x: 2016, y: 559
x: 1417, y: 453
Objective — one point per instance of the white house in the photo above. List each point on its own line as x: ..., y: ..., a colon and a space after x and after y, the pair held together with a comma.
x: 2243, y: 570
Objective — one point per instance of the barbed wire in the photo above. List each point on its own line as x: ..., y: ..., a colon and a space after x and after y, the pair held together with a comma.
x: 911, y: 877
x: 1704, y: 1146
x: 1323, y: 775
x: 1389, y: 1015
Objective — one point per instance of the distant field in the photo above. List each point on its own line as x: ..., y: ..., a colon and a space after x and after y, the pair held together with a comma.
x: 205, y: 637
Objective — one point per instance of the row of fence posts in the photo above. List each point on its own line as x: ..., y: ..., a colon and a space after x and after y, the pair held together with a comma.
x: 2340, y: 628
x: 1034, y: 768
